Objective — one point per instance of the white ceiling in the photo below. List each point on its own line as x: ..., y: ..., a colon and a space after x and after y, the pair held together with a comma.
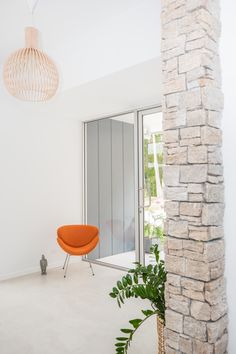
x: 135, y: 87
x: 88, y: 39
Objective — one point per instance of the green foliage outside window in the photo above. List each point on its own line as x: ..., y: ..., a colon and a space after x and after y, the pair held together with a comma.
x: 149, y: 172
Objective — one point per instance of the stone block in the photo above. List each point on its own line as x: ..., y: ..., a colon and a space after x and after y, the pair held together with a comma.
x: 179, y: 303
x: 212, y: 98
x: 175, y: 243
x: 214, y: 250
x: 202, y: 347
x: 195, y: 188
x: 173, y: 289
x: 171, y: 136
x: 172, y: 100
x: 171, y: 175
x: 171, y: 64
x: 169, y: 350
x: 214, y: 119
x: 217, y: 268
x: 195, y: 118
x: 199, y: 33
x: 175, y: 264
x: 173, y: 279
x: 192, y: 294
x: 194, y: 246
x: 194, y: 328
x: 215, y: 291
x: 194, y: 255
x: 192, y: 284
x: 195, y: 197
x: 173, y: 14
x: 196, y: 44
x: 197, y: 154
x: 212, y: 214
x: 193, y: 220
x: 193, y: 173
x: 189, y: 61
x: 176, y: 193
x: 221, y: 344
x: 178, y: 228
x: 200, y: 310
x: 177, y: 156
x: 172, y: 339
x: 185, y: 344
x: 214, y: 179
x: 197, y: 270
x: 190, y: 142
x: 211, y: 136
x: 171, y: 208
x: 191, y: 132
x: 214, y: 155
x: 198, y: 233
x: 175, y: 120
x: 214, y: 193
x: 174, y: 321
x: 173, y: 53
x: 216, y: 232
x: 190, y: 99
x: 177, y: 84
x: 216, y: 329
x: 196, y: 74
x: 220, y: 309
x: 191, y: 209
x: 215, y: 170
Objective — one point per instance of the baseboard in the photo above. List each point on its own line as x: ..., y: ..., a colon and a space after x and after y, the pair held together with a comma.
x: 33, y: 270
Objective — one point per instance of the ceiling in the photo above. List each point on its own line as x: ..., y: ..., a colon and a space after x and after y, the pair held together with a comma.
x: 88, y: 39
x: 134, y: 87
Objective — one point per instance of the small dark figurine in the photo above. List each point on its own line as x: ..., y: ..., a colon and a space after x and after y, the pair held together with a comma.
x: 43, y: 265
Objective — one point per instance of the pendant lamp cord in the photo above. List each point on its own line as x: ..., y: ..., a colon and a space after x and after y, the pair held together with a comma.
x: 32, y: 8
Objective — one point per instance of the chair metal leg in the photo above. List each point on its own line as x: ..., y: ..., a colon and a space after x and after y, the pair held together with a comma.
x: 90, y: 265
x: 66, y: 266
x: 91, y: 268
x: 65, y: 261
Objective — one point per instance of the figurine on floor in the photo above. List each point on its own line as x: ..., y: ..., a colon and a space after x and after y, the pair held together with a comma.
x: 43, y: 265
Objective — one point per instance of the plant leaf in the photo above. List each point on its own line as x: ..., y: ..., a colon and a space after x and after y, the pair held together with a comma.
x: 112, y: 295
x: 135, y: 323
x: 126, y: 330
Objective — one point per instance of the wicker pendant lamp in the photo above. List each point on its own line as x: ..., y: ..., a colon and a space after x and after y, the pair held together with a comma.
x: 29, y: 74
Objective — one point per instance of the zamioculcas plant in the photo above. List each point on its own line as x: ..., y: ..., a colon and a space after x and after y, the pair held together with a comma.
x: 144, y: 282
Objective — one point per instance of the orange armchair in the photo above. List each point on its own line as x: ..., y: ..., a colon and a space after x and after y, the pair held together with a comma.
x: 77, y: 240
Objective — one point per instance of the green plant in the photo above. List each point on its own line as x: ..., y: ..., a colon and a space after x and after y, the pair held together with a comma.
x: 153, y: 231
x: 144, y: 282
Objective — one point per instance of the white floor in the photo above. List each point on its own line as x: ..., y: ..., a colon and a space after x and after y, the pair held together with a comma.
x: 53, y: 315
x: 126, y: 259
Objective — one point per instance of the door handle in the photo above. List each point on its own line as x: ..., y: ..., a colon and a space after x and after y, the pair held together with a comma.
x: 143, y: 206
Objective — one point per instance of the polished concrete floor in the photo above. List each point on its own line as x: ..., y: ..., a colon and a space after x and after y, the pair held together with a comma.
x: 126, y: 259
x: 53, y: 315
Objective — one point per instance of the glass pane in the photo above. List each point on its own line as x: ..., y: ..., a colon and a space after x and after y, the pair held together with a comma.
x: 153, y: 183
x: 110, y: 188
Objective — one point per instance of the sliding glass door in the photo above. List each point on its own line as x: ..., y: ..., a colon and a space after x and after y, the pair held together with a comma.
x: 123, y: 185
x: 150, y: 182
x: 110, y: 192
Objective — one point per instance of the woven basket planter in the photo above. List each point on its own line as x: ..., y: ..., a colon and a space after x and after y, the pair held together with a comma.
x: 160, y: 334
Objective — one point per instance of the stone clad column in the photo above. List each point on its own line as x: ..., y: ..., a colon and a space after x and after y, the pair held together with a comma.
x: 196, y: 315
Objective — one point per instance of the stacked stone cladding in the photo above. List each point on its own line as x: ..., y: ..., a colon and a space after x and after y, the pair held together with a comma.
x: 196, y: 314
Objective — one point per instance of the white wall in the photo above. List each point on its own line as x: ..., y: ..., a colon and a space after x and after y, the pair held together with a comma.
x: 41, y: 161
x: 40, y: 183
x: 228, y: 61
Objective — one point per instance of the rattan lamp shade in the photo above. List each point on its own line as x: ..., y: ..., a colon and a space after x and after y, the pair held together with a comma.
x: 29, y: 74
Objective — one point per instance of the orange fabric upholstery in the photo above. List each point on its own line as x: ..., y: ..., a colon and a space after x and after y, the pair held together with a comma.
x: 78, y: 240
